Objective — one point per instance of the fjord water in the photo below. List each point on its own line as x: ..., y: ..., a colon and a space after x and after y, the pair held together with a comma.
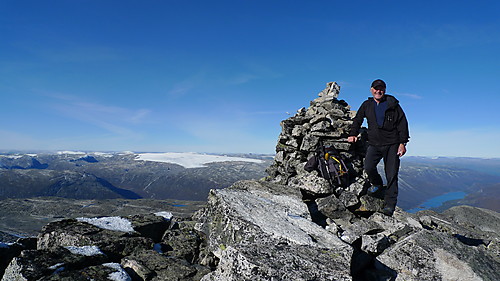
x: 438, y: 201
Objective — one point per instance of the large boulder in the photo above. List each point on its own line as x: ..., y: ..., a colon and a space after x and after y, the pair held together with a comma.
x: 7, y: 252
x: 259, y: 235
x: 472, y: 226
x: 115, y: 248
x: 115, y: 244
x: 35, y: 264
x: 430, y: 255
x: 152, y: 265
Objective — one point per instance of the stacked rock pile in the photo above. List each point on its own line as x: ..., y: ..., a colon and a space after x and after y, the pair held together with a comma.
x: 327, y: 122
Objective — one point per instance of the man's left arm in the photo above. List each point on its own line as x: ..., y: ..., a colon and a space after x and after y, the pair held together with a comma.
x: 404, y: 133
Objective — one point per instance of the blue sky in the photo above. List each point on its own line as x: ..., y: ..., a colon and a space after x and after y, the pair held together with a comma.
x: 219, y: 76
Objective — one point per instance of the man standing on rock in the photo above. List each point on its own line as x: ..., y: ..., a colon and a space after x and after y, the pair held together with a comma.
x: 387, y: 137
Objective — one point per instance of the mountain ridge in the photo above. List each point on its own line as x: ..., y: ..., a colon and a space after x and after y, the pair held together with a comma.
x: 291, y: 225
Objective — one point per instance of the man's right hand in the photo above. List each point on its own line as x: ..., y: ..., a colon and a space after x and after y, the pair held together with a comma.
x: 352, y: 139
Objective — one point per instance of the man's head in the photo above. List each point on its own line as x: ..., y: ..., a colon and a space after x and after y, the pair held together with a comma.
x: 378, y: 89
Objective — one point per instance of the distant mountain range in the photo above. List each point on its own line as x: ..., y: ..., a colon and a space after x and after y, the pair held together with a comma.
x: 422, y: 178
x: 120, y: 175
x: 104, y: 176
x: 38, y: 188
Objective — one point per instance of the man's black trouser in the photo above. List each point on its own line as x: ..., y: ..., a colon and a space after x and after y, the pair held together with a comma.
x: 391, y: 164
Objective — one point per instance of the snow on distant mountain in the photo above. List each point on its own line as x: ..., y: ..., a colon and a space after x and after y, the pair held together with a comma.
x: 191, y: 159
x: 71, y: 152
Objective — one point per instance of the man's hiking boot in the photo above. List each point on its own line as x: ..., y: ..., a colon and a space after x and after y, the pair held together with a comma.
x: 388, y: 211
x: 373, y: 190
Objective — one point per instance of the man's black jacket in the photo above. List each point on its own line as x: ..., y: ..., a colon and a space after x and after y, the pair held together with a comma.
x: 394, y: 129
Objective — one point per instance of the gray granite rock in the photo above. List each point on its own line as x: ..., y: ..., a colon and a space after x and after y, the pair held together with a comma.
x: 311, y: 183
x: 151, y: 265
x: 182, y: 241
x: 333, y: 208
x: 115, y: 244
x: 430, y: 255
x: 357, y: 187
x: 35, y: 264
x: 258, y: 235
x: 349, y: 199
x: 375, y: 243
x: 472, y: 226
x: 370, y: 204
x: 7, y: 253
x: 359, y: 228
x: 280, y: 261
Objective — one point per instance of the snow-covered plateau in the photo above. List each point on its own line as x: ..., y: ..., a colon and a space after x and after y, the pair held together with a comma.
x: 191, y: 159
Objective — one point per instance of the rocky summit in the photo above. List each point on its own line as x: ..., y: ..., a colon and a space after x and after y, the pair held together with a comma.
x: 293, y: 225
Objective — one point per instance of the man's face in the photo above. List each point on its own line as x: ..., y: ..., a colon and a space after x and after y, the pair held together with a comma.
x: 378, y: 92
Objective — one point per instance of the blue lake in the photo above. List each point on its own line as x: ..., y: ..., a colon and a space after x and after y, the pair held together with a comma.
x: 438, y: 201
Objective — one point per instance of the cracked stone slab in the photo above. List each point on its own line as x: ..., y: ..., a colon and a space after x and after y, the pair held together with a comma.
x: 430, y: 255
x: 258, y: 235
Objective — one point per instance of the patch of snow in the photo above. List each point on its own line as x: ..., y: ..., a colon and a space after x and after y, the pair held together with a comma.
x: 5, y: 245
x: 56, y: 266
x: 190, y: 159
x: 13, y: 156
x: 110, y: 223
x: 85, y: 250
x: 119, y: 275
x: 70, y: 152
x: 103, y: 154
x: 166, y: 215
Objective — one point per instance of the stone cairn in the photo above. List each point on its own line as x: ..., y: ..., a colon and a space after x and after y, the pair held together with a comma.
x: 327, y: 121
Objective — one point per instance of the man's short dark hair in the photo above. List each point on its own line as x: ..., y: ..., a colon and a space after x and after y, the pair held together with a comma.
x: 378, y: 83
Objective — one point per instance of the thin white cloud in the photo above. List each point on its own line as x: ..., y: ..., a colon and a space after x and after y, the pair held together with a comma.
x: 412, y: 96
x: 217, y: 78
x: 180, y: 89
x: 114, y: 119
x: 140, y: 115
x: 185, y: 86
x: 112, y: 112
x: 241, y: 79
x: 221, y: 134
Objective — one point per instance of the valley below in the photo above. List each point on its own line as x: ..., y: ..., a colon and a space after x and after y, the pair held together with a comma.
x: 38, y: 189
